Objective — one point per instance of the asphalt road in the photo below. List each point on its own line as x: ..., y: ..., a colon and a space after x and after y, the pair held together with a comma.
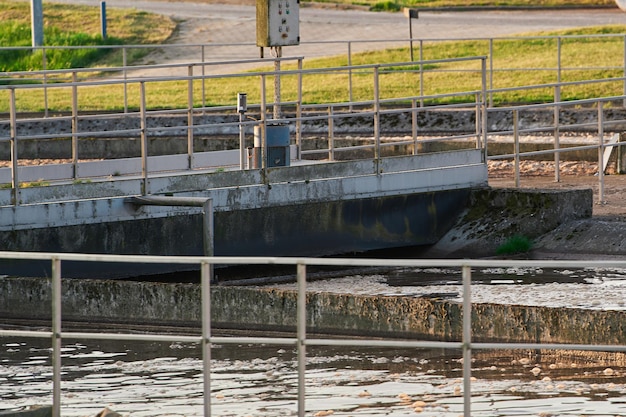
x: 327, y: 31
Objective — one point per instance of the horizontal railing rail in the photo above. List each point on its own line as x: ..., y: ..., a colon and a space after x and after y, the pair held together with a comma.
x: 301, y: 340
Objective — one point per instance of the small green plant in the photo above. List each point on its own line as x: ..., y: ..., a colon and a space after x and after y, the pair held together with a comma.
x: 386, y: 6
x: 79, y: 181
x: 515, y: 244
x: 38, y: 183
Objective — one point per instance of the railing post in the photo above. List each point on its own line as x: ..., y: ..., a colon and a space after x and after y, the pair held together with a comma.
x: 422, y: 72
x: 56, y: 337
x: 467, y: 341
x: 414, y: 125
x: 144, y: 137
x: 350, y: 96
x: 331, y: 133
x: 206, y: 278
x: 601, y: 152
x: 74, y: 125
x: 376, y: 116
x: 516, y: 145
x: 490, y: 102
x: 15, y: 182
x: 484, y: 126
x: 301, y: 334
x: 202, y: 57
x: 558, y: 59
x: 263, y: 123
x: 190, y: 117
x: 44, y: 64
x: 624, y: 71
x: 125, y: 73
x: 299, y: 113
x: 557, y: 129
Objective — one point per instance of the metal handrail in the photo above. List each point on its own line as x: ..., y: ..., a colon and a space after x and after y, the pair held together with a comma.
x: 301, y: 340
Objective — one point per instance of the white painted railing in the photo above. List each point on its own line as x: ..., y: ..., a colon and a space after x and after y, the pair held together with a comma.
x: 300, y: 341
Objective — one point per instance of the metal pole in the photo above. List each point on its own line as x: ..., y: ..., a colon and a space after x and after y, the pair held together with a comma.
x: 301, y: 330
x: 422, y: 73
x: 350, y: 74
x: 125, y: 72
x: 202, y: 57
x: 144, y: 138
x: 277, y: 110
x: 36, y: 21
x: 467, y: 341
x: 601, y: 152
x: 490, y: 72
x: 331, y: 133
x: 56, y: 337
x: 483, y: 119
x: 44, y: 65
x: 516, y: 144
x: 103, y: 19
x: 190, y: 117
x: 414, y: 125
x: 74, y: 125
x: 558, y: 59
x: 263, y: 123
x: 411, y: 37
x: 299, y: 113
x: 376, y: 116
x: 557, y: 129
x: 15, y: 183
x: 206, y: 277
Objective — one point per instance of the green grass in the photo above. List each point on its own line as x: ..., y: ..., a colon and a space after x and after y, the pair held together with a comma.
x: 391, y: 5
x: 75, y: 26
x: 514, y: 245
x: 511, y: 57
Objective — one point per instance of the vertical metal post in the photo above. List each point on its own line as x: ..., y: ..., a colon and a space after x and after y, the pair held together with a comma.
x: 263, y: 122
x: 301, y: 330
x: 414, y: 126
x: 376, y: 115
x: 490, y: 72
x: 36, y: 23
x: 144, y: 138
x: 125, y: 72
x: 484, y: 111
x: 558, y: 59
x: 624, y: 72
x: 516, y: 145
x: 467, y: 341
x: 331, y: 133
x: 56, y: 337
x: 74, y: 125
x: 350, y: 96
x: 44, y: 63
x: 601, y: 152
x: 190, y: 117
x: 208, y: 237
x: 299, y: 113
x: 206, y: 278
x: 478, y: 123
x: 411, y: 37
x: 277, y: 110
x: 103, y: 19
x: 202, y: 57
x: 15, y: 183
x: 557, y: 130
x: 422, y: 72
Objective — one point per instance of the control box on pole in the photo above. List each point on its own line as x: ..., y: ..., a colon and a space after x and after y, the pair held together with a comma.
x: 277, y: 22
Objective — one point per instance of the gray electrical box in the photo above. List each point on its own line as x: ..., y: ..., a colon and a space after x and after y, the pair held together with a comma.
x: 277, y: 22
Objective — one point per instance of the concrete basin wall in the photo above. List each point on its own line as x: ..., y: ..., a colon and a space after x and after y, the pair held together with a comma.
x: 157, y: 304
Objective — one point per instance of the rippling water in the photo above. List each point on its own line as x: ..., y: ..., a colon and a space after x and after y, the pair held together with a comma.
x: 158, y: 379
x: 163, y: 379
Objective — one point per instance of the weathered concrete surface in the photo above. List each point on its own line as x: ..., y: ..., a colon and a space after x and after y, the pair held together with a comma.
x: 157, y: 304
x: 494, y: 215
x: 530, y: 212
x: 213, y: 132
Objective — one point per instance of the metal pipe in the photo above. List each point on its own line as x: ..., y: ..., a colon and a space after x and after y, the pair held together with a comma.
x: 467, y: 340
x: 601, y: 153
x: 56, y: 337
x: 74, y: 125
x: 144, y: 138
x: 301, y: 335
x: 376, y: 116
x: 15, y: 183
x: 190, y: 118
x: 557, y: 140
x: 516, y: 147
x: 206, y: 270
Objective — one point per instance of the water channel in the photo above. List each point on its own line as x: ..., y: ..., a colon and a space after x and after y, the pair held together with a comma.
x: 165, y: 379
